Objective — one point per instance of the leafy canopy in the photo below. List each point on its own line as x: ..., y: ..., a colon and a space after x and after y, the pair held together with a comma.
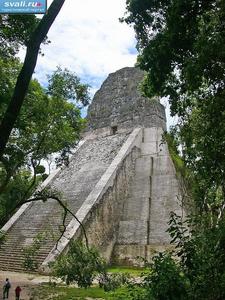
x: 49, y: 123
x: 15, y: 31
x: 180, y: 46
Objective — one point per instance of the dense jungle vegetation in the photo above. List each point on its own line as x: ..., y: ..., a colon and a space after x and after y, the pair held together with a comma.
x: 181, y: 48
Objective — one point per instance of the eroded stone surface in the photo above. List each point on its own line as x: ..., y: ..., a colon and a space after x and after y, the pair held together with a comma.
x: 119, y: 103
x: 153, y: 194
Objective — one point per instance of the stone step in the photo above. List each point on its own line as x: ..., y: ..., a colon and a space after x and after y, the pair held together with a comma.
x: 15, y: 268
x: 19, y: 257
x: 75, y: 182
x: 20, y: 250
x: 48, y: 244
x: 19, y: 260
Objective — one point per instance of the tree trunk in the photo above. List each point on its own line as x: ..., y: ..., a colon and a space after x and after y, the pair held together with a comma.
x: 26, y: 72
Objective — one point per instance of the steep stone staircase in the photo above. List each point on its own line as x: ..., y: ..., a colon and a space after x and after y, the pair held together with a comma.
x: 74, y: 182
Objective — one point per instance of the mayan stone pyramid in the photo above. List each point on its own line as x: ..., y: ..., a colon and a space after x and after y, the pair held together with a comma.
x: 120, y: 183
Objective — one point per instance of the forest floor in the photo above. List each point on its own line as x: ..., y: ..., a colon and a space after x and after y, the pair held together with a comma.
x: 38, y: 287
x: 26, y: 281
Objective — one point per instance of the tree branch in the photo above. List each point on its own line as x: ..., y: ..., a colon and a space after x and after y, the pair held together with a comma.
x: 44, y: 195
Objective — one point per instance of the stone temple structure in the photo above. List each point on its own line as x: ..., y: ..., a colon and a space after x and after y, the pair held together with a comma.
x: 120, y: 183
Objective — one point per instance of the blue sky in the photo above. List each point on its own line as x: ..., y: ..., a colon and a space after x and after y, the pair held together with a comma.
x: 88, y: 39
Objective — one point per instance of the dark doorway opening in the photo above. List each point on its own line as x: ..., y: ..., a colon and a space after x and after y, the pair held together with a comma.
x: 114, y: 129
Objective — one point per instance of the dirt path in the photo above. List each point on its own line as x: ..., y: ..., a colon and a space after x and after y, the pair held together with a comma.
x: 25, y: 281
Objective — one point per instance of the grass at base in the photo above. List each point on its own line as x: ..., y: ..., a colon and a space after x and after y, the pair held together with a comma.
x: 133, y: 271
x: 72, y: 293
x: 68, y: 293
x: 49, y: 292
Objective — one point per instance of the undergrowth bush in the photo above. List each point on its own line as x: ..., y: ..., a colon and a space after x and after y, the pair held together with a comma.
x: 111, y: 282
x: 30, y: 252
x: 79, y: 265
x: 130, y: 292
x: 195, y: 270
x: 165, y: 279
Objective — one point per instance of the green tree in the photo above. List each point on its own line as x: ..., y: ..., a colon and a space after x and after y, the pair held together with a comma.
x: 65, y: 84
x: 15, y: 31
x: 180, y: 47
x: 24, y: 77
x: 49, y: 123
x: 13, y: 192
x: 164, y: 279
x: 80, y: 265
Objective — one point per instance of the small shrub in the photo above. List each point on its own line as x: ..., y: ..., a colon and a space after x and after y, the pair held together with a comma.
x: 80, y: 265
x: 110, y: 282
x: 2, y: 238
x: 165, y: 280
x: 30, y: 252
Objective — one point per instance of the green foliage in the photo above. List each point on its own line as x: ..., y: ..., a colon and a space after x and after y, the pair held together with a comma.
x: 131, y: 270
x: 13, y: 193
x: 131, y: 292
x: 15, y: 31
x: 202, y: 136
x: 184, y: 174
x: 195, y: 270
x: 165, y: 280
x: 48, y: 124
x: 49, y: 110
x: 9, y: 69
x: 30, y: 252
x: 113, y: 281
x: 180, y: 45
x: 40, y: 169
x: 65, y: 84
x: 80, y: 265
x: 201, y: 255
x: 174, y: 154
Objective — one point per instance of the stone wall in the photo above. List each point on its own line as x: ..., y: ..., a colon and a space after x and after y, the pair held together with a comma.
x: 153, y: 194
x: 119, y: 104
x: 103, y: 224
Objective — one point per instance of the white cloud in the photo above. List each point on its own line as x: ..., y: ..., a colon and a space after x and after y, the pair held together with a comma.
x: 88, y: 38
